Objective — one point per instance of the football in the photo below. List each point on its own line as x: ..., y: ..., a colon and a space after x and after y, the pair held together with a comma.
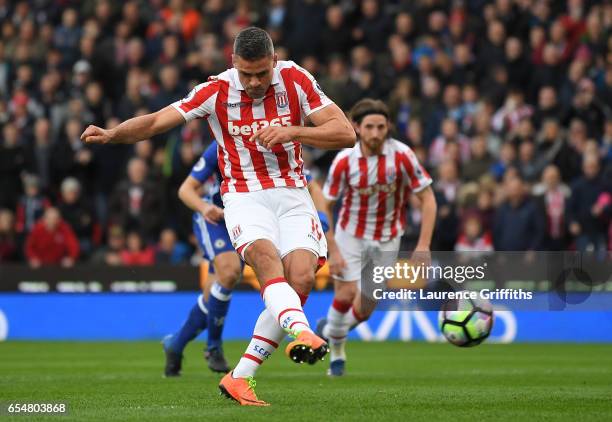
x: 466, y: 322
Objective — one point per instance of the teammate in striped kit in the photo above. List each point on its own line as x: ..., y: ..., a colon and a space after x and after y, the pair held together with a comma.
x: 257, y: 112
x: 225, y: 269
x: 375, y: 179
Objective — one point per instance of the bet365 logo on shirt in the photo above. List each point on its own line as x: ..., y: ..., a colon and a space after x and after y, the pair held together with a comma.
x: 236, y: 129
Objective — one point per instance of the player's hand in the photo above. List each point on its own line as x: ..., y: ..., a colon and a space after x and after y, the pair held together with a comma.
x: 96, y: 135
x: 212, y: 213
x: 422, y: 255
x: 336, y: 262
x: 272, y: 135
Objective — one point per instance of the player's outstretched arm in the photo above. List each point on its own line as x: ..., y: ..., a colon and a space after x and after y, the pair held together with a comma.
x: 135, y: 129
x: 428, y: 211
x: 331, y: 130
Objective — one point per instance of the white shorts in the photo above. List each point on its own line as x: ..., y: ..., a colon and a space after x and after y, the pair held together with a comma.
x: 285, y: 216
x: 359, y: 253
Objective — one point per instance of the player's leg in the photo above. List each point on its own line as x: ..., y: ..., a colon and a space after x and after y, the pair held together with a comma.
x: 254, y: 229
x: 335, y: 326
x: 378, y: 254
x: 303, y: 248
x: 197, y: 318
x: 345, y: 315
x: 174, y: 344
x: 280, y: 298
x: 228, y: 268
x: 267, y: 335
x: 254, y: 224
x: 282, y: 303
x: 300, y: 268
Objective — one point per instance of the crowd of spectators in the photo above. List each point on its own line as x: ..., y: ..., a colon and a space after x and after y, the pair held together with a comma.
x: 508, y: 103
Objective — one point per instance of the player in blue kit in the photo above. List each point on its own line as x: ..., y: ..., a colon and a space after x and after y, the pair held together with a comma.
x: 225, y: 268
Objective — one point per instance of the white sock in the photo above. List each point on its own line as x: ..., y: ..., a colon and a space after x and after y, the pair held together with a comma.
x: 266, y: 337
x: 337, y: 329
x: 284, y: 304
x: 351, y: 319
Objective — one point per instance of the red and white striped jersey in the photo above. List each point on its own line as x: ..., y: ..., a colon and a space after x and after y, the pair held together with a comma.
x: 233, y: 117
x: 375, y: 190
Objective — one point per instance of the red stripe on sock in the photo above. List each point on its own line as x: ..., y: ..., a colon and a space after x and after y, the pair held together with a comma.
x: 337, y: 338
x: 341, y: 307
x: 358, y: 317
x: 267, y: 340
x: 297, y: 322
x: 287, y: 310
x: 253, y: 358
x: 272, y: 281
x: 303, y: 298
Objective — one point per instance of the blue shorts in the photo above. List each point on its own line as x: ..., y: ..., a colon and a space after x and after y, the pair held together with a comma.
x: 212, y: 238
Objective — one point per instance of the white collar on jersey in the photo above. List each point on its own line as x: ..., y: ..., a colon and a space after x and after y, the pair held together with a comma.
x: 235, y: 80
x: 385, y: 151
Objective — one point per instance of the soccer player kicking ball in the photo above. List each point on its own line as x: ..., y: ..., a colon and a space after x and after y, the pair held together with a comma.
x: 225, y: 268
x: 256, y: 111
x: 375, y: 179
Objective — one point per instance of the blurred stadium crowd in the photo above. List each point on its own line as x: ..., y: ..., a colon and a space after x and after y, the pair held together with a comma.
x: 507, y: 102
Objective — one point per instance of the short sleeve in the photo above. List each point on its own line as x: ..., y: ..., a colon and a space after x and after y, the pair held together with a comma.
x: 199, y: 103
x: 337, y: 177
x: 311, y: 96
x: 417, y: 175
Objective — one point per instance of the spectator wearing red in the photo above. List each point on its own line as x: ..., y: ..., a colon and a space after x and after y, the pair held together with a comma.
x: 135, y: 252
x: 181, y: 18
x: 51, y: 241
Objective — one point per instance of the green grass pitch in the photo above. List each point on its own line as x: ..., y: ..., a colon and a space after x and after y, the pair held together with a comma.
x: 385, y: 381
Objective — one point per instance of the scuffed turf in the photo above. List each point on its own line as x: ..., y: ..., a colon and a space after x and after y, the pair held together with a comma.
x: 384, y: 381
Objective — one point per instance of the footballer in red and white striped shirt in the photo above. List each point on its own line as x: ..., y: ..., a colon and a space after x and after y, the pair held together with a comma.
x: 375, y: 189
x: 234, y: 117
x: 256, y: 112
x: 374, y: 179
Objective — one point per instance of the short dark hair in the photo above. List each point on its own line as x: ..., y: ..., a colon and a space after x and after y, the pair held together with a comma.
x: 368, y: 106
x: 253, y: 43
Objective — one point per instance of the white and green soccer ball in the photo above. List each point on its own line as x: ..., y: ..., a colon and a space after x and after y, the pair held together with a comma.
x: 466, y: 322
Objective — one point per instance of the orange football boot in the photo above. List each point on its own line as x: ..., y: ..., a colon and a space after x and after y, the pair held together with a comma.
x: 241, y: 390
x: 307, y: 347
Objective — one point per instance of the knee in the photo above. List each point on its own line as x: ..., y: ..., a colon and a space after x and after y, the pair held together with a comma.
x: 345, y: 292
x: 364, y: 308
x: 301, y: 278
x: 228, y: 275
x: 260, y: 255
